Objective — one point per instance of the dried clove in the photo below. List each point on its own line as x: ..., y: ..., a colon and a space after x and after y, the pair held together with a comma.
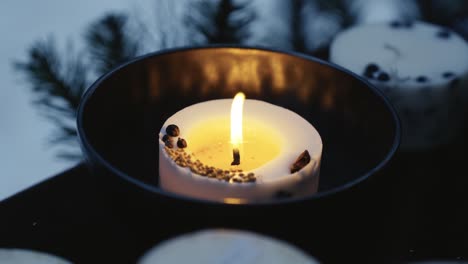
x: 300, y: 162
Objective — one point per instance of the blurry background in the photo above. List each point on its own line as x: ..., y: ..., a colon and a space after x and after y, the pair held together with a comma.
x: 26, y: 153
x: 53, y: 50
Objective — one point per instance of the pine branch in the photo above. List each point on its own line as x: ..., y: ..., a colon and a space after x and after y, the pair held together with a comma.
x: 59, y: 81
x: 297, y: 30
x: 43, y: 70
x: 67, y: 135
x: 67, y: 155
x: 108, y: 44
x: 298, y: 21
x: 224, y: 22
x: 58, y: 84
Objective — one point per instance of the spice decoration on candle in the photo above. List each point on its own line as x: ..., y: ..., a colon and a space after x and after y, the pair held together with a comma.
x: 422, y: 68
x: 222, y: 154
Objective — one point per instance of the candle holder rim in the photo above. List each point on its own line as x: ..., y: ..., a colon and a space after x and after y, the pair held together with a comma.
x: 86, y: 144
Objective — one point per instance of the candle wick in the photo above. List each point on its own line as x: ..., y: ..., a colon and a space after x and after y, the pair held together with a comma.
x: 236, y: 157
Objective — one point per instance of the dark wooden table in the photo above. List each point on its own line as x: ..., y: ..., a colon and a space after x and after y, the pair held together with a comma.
x: 63, y: 215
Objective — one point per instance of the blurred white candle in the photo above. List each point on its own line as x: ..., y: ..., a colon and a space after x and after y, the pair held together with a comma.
x: 423, y: 70
x: 219, y: 246
x: 20, y: 256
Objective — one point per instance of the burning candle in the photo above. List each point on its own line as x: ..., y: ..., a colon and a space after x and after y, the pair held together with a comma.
x: 238, y: 150
x: 422, y: 68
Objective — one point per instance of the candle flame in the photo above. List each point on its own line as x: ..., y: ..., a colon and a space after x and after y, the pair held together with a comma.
x: 236, y: 119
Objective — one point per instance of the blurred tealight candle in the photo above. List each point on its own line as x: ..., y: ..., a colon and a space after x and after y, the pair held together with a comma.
x: 422, y: 68
x: 212, y: 150
x: 24, y: 255
x: 218, y: 246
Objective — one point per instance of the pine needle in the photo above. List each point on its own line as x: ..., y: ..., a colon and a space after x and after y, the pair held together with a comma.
x: 224, y: 22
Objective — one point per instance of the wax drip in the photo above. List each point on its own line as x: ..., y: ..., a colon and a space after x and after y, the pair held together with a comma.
x: 393, y: 49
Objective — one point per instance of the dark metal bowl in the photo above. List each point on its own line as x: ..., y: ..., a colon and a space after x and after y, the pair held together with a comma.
x: 121, y: 113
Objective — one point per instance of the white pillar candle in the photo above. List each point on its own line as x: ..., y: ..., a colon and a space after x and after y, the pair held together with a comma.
x: 423, y: 70
x: 273, y: 139
x: 218, y: 246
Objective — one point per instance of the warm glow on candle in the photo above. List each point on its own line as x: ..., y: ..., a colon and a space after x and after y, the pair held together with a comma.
x: 236, y: 120
x: 237, y: 157
x: 234, y: 140
x: 209, y: 141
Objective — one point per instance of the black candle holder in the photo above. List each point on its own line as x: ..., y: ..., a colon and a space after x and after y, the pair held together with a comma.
x: 121, y: 113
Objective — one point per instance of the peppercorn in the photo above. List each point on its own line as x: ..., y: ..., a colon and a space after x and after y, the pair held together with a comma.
x: 172, y: 130
x: 421, y: 79
x: 168, y: 144
x: 372, y: 67
x: 181, y: 143
x: 383, y: 77
x: 448, y: 74
x: 444, y: 33
x: 395, y: 24
x: 370, y: 70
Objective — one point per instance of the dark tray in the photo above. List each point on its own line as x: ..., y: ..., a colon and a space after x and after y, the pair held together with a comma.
x: 64, y: 216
